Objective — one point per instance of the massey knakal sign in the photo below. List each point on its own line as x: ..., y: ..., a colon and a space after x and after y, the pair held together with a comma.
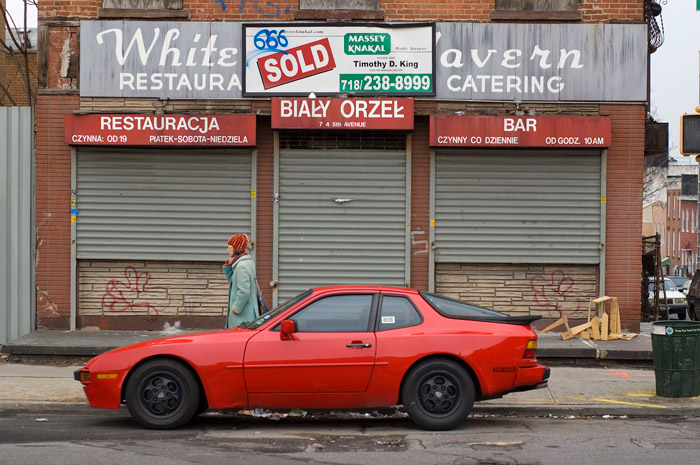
x: 342, y: 113
x: 534, y: 62
x: 520, y: 131
x: 186, y: 60
x: 299, y: 59
x: 160, y: 130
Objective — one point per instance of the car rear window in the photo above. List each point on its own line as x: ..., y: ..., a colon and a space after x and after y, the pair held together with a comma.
x: 455, y: 308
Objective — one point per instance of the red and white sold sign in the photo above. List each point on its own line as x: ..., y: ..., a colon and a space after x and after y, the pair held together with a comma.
x: 342, y: 113
x: 160, y: 130
x: 520, y: 131
x: 296, y: 63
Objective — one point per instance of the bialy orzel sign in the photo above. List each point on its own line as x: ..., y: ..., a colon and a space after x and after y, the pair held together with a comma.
x: 298, y: 59
x: 186, y: 60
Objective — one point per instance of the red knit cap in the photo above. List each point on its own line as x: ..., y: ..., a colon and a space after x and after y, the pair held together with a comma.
x: 239, y: 242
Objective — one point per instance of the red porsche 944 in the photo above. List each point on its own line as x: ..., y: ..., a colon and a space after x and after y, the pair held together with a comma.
x: 336, y: 347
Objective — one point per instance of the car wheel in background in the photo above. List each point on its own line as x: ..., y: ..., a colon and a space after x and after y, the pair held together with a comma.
x: 438, y: 394
x: 162, y: 394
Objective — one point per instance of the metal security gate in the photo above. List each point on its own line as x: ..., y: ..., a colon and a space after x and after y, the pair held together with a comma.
x: 521, y: 206
x: 161, y: 204
x: 342, y: 217
x: 17, y: 286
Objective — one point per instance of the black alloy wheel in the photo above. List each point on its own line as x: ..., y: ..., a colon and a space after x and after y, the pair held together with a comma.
x: 438, y: 394
x: 162, y: 394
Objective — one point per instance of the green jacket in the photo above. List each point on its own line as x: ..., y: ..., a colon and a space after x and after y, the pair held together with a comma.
x: 242, y: 292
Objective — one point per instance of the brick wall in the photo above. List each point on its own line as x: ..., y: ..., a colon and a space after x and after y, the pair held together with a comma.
x: 526, y: 289
x: 395, y: 10
x: 158, y: 292
x: 14, y: 81
x: 53, y: 195
x: 625, y: 176
x: 265, y: 193
x: 420, y: 204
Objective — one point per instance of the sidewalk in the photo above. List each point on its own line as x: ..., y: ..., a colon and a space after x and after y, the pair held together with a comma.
x: 576, y: 390
x: 550, y: 346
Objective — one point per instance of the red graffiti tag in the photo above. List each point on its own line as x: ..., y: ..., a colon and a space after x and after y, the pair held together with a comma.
x: 134, y: 293
x: 552, y: 293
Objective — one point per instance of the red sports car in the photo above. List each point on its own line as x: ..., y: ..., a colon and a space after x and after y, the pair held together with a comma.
x: 333, y: 347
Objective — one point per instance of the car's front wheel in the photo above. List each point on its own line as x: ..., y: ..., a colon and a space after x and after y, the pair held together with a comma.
x: 438, y: 394
x: 162, y: 394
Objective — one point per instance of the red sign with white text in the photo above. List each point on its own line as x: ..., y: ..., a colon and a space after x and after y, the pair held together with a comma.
x: 161, y: 130
x: 342, y: 113
x: 296, y: 63
x: 520, y: 131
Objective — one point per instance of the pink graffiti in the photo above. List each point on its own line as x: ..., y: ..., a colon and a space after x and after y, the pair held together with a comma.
x: 134, y: 293
x: 552, y: 293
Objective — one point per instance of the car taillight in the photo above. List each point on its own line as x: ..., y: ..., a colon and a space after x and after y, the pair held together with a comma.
x: 530, y: 349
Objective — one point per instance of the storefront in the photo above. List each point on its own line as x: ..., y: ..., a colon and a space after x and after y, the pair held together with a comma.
x: 155, y: 197
x: 519, y: 208
x: 388, y: 154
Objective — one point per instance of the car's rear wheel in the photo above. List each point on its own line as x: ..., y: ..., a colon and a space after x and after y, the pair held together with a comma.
x: 162, y: 394
x: 438, y: 394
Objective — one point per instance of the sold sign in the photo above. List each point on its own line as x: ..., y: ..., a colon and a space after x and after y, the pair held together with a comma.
x: 296, y: 63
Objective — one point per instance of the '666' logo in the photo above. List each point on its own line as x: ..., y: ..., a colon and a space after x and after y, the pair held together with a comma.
x: 296, y: 63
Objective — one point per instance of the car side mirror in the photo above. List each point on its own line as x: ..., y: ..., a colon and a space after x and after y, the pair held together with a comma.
x: 287, y: 329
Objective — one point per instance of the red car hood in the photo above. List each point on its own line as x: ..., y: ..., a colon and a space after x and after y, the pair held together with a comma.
x: 169, y: 344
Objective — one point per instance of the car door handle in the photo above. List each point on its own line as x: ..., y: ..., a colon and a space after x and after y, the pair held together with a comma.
x: 358, y: 345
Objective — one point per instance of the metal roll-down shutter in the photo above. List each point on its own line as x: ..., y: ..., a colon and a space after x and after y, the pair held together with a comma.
x: 161, y: 204
x: 518, y: 206
x: 342, y: 218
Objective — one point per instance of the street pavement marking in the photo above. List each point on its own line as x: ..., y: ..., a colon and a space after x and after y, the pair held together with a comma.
x: 628, y: 403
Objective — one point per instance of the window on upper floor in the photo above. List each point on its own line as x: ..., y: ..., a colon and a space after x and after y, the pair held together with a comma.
x: 537, y: 10
x: 157, y: 9
x: 339, y: 9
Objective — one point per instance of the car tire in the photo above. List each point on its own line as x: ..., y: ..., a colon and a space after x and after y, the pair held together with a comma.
x: 682, y: 315
x: 162, y: 394
x: 438, y: 394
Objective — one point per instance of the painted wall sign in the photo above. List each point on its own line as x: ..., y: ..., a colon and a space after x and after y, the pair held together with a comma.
x: 520, y: 131
x: 341, y: 113
x: 534, y: 62
x: 297, y: 59
x: 163, y: 59
x: 160, y: 130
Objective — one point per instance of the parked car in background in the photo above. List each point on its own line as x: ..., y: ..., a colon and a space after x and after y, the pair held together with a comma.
x: 693, y: 298
x: 331, y: 347
x: 686, y: 287
x: 679, y: 281
x: 673, y: 303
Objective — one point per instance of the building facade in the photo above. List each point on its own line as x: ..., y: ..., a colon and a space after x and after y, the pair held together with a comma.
x: 490, y: 153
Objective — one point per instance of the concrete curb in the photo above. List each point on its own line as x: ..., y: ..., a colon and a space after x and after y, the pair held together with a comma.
x: 43, y: 406
x: 504, y: 410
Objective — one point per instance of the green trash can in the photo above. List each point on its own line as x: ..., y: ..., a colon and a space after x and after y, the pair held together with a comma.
x: 676, y: 347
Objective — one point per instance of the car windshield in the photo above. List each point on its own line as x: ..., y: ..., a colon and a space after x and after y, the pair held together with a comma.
x: 255, y: 324
x: 451, y: 307
x: 669, y: 285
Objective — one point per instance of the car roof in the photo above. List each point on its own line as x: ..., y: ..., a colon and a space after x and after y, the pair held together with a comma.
x: 365, y: 288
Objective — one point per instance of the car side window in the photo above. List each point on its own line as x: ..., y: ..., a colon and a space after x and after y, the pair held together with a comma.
x: 335, y: 314
x: 398, y: 312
